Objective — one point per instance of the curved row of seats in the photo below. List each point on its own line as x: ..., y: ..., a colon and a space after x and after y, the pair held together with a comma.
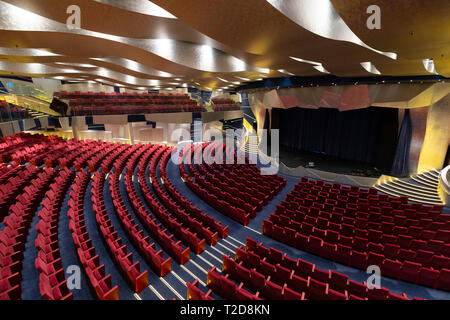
x: 238, y: 197
x: 52, y: 281
x: 188, y: 207
x: 130, y: 109
x: 158, y: 232
x: 130, y: 269
x: 99, y: 281
x: 271, y: 274
x: 90, y: 103
x: 224, y: 104
x: 13, y: 237
x: 301, y: 276
x: 154, y: 259
x: 201, y: 191
x: 360, y: 228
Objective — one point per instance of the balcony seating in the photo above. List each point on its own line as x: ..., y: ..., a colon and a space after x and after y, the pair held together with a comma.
x: 90, y: 103
x: 361, y: 228
x: 224, y: 104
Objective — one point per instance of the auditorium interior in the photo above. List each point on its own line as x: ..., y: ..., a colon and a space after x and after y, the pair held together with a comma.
x: 224, y: 150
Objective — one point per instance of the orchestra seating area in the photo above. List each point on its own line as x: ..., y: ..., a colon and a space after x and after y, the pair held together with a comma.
x: 101, y: 103
x: 258, y: 272
x: 149, y: 221
x: 359, y: 227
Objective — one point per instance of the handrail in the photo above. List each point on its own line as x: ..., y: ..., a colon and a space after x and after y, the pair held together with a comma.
x: 444, y: 185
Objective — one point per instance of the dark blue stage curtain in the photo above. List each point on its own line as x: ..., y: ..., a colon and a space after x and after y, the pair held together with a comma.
x: 400, y: 167
x: 366, y: 135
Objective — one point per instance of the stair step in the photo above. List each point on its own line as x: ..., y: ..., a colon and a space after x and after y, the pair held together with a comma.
x: 410, y: 193
x: 425, y: 182
x: 413, y: 186
x: 383, y: 189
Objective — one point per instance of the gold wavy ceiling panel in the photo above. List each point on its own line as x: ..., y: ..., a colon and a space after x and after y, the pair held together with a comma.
x: 207, y: 42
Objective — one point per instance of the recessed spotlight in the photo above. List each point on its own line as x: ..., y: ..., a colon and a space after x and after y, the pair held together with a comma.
x: 369, y: 67
x: 242, y: 78
x: 429, y: 65
x: 285, y: 72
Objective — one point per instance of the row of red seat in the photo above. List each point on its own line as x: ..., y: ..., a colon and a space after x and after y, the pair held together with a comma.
x: 226, y: 107
x: 243, y: 181
x: 117, y: 95
x: 131, y: 109
x: 131, y: 270
x: 132, y: 229
x: 433, y: 253
x: 96, y: 102
x: 97, y: 278
x: 301, y: 276
x: 195, y: 239
x: 354, y: 197
x: 364, y: 228
x: 222, y: 206
x: 224, y: 104
x: 52, y: 280
x: 166, y: 241
x: 339, y: 235
x: 158, y: 204
x: 228, y: 289
x: 13, y: 237
x: 187, y: 206
x: 239, y: 203
x: 195, y: 293
x: 14, y: 186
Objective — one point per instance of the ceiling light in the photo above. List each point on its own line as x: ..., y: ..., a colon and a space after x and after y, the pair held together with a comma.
x: 316, y: 65
x: 241, y: 78
x: 178, y: 79
x: 429, y: 65
x: 140, y: 6
x: 285, y: 72
x: 369, y: 67
x: 82, y: 65
x: 221, y: 79
x: 306, y: 61
x: 321, y: 69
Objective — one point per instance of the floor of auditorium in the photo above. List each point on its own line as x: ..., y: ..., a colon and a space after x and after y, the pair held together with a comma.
x: 294, y: 158
x: 173, y: 285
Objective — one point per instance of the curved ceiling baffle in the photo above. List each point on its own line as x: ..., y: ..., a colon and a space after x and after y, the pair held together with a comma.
x: 178, y: 50
x: 415, y: 29
x: 222, y: 43
x: 274, y: 37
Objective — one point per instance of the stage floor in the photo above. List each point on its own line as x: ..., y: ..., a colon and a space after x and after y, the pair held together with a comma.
x: 294, y: 158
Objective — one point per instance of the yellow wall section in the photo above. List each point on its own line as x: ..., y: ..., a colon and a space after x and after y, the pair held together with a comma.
x: 437, y: 136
